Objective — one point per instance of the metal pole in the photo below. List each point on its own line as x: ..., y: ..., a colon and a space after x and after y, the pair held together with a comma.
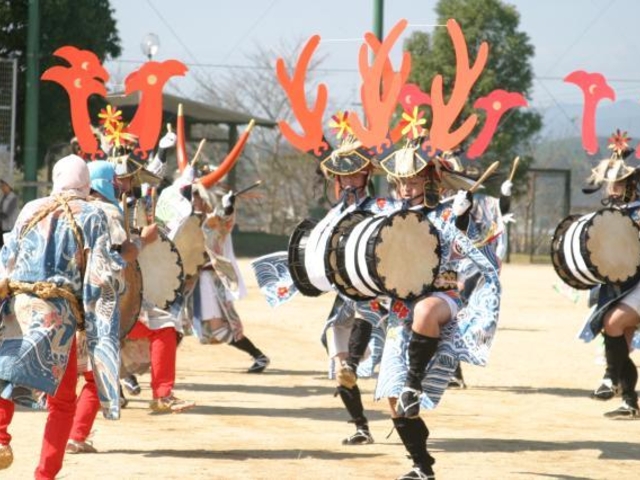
x: 32, y: 100
x: 14, y: 97
x: 378, y: 30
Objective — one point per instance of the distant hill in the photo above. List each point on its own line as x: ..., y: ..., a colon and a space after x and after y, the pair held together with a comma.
x: 560, y: 145
x: 565, y: 120
x: 567, y: 153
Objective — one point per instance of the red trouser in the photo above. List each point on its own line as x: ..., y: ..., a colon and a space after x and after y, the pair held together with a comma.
x: 87, y: 407
x: 61, y: 408
x: 163, y: 344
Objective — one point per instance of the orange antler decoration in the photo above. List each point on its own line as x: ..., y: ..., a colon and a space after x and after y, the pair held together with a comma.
x: 181, y: 145
x: 446, y: 113
x: 230, y: 160
x: 380, y: 86
x: 309, y: 119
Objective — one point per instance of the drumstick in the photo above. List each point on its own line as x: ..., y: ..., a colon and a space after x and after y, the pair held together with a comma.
x: 195, y: 157
x: 250, y: 187
x: 125, y: 211
x: 154, y: 199
x: 513, y: 168
x: 484, y: 176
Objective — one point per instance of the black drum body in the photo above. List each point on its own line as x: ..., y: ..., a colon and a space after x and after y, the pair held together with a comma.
x: 297, y: 251
x: 598, y: 248
x: 336, y: 269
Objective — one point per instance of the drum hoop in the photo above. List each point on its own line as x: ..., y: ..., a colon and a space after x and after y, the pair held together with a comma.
x: 366, y: 261
x: 590, y: 271
x: 350, y: 260
x: 296, y: 266
x: 594, y: 268
x: 567, y: 247
x: 314, y: 263
x: 558, y: 259
x: 577, y: 263
x: 344, y: 286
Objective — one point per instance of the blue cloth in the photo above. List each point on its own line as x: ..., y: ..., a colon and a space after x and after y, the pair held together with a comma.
x: 102, y: 174
x: 37, y: 334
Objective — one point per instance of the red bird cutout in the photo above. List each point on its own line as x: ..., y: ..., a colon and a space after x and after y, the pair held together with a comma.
x: 150, y: 79
x: 496, y: 105
x: 85, y: 76
x: 594, y: 88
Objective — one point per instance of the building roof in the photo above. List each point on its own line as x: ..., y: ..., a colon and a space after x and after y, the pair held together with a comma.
x: 194, y: 112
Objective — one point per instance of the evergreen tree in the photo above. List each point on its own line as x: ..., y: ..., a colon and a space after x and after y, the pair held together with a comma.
x: 86, y: 24
x: 508, y: 68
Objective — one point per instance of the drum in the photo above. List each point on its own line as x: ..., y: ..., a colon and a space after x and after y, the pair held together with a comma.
x: 189, y: 240
x: 334, y: 269
x: 598, y: 248
x: 162, y: 271
x: 396, y: 255
x: 556, y: 253
x: 297, y: 251
x: 131, y: 299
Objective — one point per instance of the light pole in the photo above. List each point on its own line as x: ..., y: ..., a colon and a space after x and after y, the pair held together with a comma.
x: 150, y: 44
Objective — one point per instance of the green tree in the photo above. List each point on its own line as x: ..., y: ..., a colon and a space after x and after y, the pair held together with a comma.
x: 86, y: 24
x: 508, y: 68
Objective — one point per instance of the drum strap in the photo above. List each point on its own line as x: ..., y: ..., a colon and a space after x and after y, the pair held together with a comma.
x: 45, y: 291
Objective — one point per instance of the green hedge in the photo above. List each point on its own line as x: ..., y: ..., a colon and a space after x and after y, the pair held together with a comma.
x: 255, y: 244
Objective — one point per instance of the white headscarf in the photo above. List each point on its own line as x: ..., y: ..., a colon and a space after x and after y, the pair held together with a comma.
x: 71, y: 176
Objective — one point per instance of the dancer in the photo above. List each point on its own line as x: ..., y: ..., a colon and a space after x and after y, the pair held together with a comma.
x: 421, y: 351
x: 69, y: 273
x: 354, y: 326
x: 617, y: 314
x: 215, y: 319
x: 102, y: 174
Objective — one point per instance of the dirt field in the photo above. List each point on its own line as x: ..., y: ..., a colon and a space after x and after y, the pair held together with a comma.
x: 526, y: 416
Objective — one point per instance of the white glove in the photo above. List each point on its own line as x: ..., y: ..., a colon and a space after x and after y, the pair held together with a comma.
x: 168, y: 141
x: 228, y: 199
x: 188, y: 175
x: 156, y: 166
x: 505, y: 188
x: 461, y: 204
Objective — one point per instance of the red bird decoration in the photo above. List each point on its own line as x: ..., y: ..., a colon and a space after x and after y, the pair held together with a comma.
x: 150, y: 79
x: 85, y: 76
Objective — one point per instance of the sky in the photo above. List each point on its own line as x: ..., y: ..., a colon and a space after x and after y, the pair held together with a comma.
x: 212, y: 35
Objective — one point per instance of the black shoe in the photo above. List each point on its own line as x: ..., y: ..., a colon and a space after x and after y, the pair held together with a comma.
x: 361, y: 437
x: 417, y: 474
x: 123, y: 400
x: 131, y: 384
x: 409, y: 403
x: 259, y: 364
x: 624, y: 411
x: 606, y: 391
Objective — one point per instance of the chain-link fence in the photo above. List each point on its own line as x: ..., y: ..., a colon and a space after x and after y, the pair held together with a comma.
x: 537, y: 214
x: 8, y: 86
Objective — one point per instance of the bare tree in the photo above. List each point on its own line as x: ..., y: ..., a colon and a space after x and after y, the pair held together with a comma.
x: 291, y: 185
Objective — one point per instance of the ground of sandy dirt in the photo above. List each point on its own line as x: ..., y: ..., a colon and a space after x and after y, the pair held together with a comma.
x: 527, y: 415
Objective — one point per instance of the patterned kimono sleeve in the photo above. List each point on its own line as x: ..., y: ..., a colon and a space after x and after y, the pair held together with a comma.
x: 102, y: 320
x: 9, y: 251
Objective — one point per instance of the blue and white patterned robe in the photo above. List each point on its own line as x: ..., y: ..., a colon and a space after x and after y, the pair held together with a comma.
x: 36, y: 335
x: 467, y: 337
